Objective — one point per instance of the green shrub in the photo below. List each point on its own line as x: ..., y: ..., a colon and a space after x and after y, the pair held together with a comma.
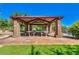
x: 74, y: 29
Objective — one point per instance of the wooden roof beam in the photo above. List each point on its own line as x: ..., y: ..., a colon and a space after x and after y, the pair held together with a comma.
x: 37, y: 20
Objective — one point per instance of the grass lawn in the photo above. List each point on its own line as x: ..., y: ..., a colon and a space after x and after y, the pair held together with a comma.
x: 40, y: 50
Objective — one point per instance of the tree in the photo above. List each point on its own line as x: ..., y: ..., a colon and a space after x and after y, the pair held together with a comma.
x: 25, y: 14
x: 4, y: 24
x: 16, y: 13
x: 64, y: 29
x: 0, y: 22
x: 74, y: 29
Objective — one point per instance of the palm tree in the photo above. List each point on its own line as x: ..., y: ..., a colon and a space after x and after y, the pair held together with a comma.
x: 17, y: 13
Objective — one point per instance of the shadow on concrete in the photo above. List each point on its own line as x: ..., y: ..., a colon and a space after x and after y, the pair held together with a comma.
x: 71, y: 37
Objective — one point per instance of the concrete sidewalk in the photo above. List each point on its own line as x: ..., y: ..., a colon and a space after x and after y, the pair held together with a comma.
x: 39, y: 40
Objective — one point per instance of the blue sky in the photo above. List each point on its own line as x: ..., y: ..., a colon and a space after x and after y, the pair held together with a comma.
x: 69, y: 11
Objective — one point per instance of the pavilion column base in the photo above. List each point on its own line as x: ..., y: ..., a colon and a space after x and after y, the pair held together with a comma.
x: 58, y: 36
x: 16, y: 36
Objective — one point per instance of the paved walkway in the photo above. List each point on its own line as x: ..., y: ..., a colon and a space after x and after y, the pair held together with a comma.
x: 38, y: 40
